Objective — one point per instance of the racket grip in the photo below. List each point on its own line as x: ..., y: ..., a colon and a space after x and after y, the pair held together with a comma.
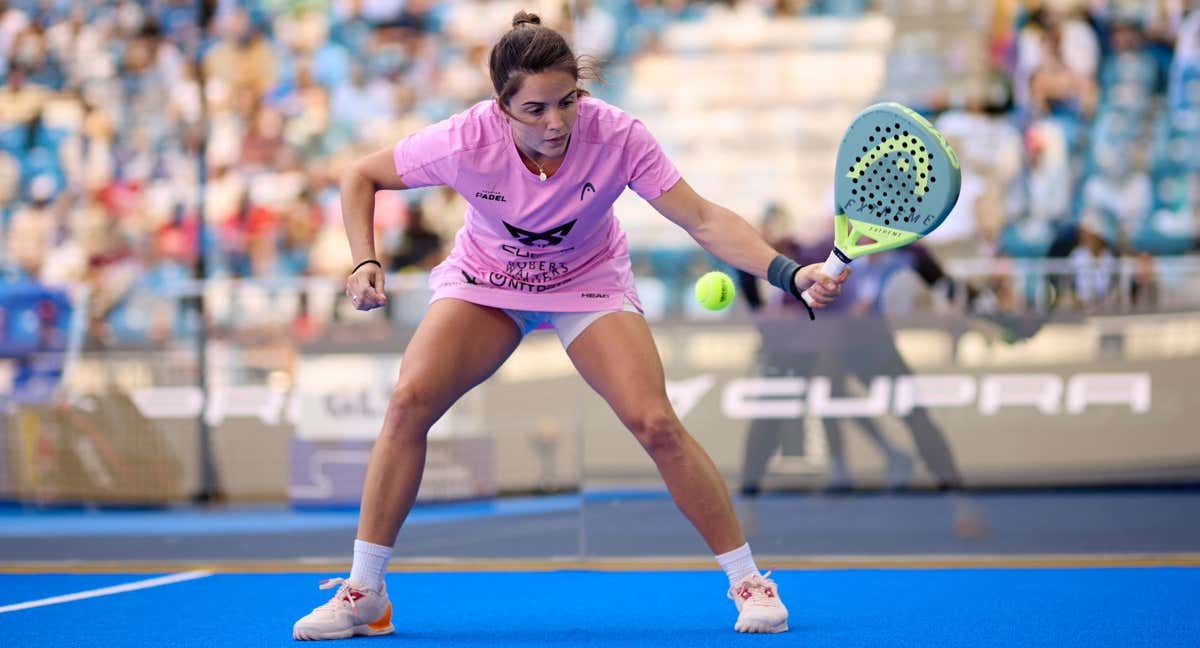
x: 832, y: 267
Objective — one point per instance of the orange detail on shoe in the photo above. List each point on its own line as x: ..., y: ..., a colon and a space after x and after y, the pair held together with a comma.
x: 383, y: 621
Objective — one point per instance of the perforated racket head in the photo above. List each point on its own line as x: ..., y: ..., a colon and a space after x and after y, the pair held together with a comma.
x: 897, y: 180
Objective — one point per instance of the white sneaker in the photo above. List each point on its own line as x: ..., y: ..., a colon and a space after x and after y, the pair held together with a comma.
x: 352, y: 611
x: 758, y: 604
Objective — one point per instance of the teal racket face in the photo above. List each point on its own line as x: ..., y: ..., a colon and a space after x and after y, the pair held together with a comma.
x: 897, y: 178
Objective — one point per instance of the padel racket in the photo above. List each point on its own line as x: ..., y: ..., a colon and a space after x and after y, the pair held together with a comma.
x: 897, y: 180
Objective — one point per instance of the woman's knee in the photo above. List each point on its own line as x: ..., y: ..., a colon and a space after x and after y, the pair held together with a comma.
x: 410, y: 412
x: 658, y: 430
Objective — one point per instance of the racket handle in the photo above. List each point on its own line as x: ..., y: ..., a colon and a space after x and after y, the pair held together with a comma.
x: 832, y: 268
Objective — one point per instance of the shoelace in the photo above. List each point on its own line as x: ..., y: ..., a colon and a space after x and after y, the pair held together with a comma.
x: 343, y: 593
x: 757, y: 586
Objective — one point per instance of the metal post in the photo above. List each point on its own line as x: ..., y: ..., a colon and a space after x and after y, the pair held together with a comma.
x: 210, y: 488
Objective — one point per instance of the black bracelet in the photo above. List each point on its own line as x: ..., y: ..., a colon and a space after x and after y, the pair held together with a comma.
x: 365, y: 263
x: 782, y: 274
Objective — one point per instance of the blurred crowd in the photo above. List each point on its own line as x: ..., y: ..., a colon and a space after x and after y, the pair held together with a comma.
x: 1080, y: 141
x: 113, y: 114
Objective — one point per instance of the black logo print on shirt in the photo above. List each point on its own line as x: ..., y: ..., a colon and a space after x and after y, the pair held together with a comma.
x: 540, y: 239
x: 587, y: 186
x: 490, y: 195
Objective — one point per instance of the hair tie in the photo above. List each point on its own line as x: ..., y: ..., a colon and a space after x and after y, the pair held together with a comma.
x: 365, y: 263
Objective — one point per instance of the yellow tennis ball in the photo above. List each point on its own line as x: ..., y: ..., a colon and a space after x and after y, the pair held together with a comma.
x: 715, y: 290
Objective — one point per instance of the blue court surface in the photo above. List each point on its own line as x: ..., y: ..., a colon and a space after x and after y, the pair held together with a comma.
x: 1059, y: 607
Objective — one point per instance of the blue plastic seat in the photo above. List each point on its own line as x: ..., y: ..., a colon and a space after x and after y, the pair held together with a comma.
x: 14, y: 139
x: 1027, y: 238
x: 1166, y: 232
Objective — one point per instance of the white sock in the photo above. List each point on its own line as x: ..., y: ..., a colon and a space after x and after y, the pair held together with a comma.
x: 738, y: 564
x: 370, y: 564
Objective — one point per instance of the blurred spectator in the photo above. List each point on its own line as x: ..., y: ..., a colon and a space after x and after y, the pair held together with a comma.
x: 990, y: 149
x: 417, y: 246
x: 21, y: 99
x: 1048, y: 177
x: 595, y: 30
x: 308, y: 111
x: 1057, y: 59
x: 1187, y: 40
x: 1130, y: 72
x: 1118, y: 193
x: 464, y: 80
x: 444, y: 211
x: 1185, y: 67
x: 264, y: 141
x: 481, y: 22
x: 300, y: 221
x: 13, y: 21
x: 33, y: 229
x: 10, y: 185
x: 304, y: 34
x: 241, y: 59
x: 112, y: 269
x: 363, y: 102
x: 1093, y: 261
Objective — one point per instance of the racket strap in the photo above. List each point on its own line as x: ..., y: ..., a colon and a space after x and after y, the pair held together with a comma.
x: 782, y: 274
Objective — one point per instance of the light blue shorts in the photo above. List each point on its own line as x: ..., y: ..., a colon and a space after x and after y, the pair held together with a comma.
x: 568, y: 326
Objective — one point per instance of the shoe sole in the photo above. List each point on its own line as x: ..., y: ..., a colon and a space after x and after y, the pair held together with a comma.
x: 363, y: 630
x: 381, y: 626
x: 762, y: 629
x: 759, y: 625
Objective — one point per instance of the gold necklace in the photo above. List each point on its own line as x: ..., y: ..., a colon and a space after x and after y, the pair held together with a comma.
x: 541, y: 172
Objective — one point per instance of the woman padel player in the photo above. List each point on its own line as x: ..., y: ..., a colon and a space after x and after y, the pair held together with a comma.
x: 540, y: 166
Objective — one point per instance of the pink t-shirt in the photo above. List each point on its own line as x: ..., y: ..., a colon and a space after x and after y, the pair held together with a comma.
x: 528, y: 244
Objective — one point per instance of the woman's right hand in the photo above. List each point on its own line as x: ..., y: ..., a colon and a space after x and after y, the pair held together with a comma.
x: 365, y: 288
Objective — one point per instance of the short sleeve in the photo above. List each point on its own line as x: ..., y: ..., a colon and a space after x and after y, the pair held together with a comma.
x: 651, y: 171
x: 425, y: 158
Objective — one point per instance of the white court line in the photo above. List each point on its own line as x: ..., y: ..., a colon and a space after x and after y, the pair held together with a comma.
x: 105, y: 591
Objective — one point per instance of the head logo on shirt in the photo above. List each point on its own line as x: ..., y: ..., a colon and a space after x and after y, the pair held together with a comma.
x: 542, y: 239
x: 587, y: 186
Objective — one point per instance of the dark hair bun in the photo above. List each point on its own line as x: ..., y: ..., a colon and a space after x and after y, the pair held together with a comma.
x: 523, y: 18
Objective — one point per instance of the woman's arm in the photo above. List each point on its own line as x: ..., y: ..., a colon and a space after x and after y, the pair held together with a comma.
x: 358, y: 186
x: 367, y: 175
x: 730, y: 238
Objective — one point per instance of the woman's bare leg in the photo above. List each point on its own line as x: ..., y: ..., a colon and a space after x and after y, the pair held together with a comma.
x: 617, y: 357
x: 457, y: 346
